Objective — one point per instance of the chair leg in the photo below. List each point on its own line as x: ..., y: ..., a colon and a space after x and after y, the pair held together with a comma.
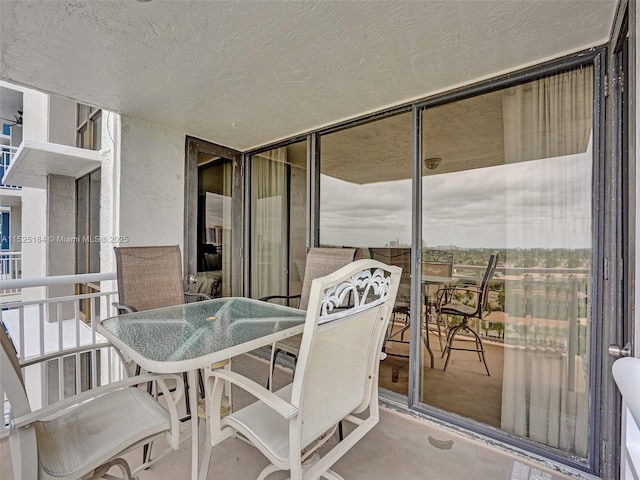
x: 450, y: 337
x: 447, y: 341
x: 268, y: 470
x: 439, y: 325
x: 186, y: 392
x: 120, y: 463
x: 201, y: 383
x: 274, y: 355
x: 481, y: 350
x: 478, y: 342
x: 331, y: 475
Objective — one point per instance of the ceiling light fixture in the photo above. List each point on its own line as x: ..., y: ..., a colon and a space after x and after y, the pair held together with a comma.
x: 432, y: 163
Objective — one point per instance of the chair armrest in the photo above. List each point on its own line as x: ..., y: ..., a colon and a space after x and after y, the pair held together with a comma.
x: 279, y: 297
x: 122, y: 306
x: 201, y: 296
x: 65, y: 353
x: 281, y: 406
x: 69, y: 402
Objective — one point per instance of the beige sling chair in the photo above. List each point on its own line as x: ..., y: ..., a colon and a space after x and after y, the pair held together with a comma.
x: 85, y: 435
x: 336, y: 379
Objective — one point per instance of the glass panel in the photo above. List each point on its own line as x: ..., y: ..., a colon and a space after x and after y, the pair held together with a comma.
x: 510, y: 172
x: 81, y: 138
x: 278, y: 220
x: 365, y: 202
x: 83, y: 113
x: 214, y: 226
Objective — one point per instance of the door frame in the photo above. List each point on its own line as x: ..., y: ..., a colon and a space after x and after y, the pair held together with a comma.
x: 193, y: 146
x: 595, y: 57
x: 620, y: 313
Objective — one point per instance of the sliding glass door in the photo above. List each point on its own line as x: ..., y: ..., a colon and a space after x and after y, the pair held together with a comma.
x: 510, y: 173
x: 443, y: 188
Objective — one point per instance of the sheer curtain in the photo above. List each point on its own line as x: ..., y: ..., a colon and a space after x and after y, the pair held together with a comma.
x: 550, y: 117
x: 269, y: 239
x: 547, y: 126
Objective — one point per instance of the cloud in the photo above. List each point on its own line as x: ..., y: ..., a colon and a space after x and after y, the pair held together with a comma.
x: 537, y: 204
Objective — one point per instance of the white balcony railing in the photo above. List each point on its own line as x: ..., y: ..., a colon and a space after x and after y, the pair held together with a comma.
x: 7, y: 153
x: 10, y: 269
x: 65, y: 324
x: 48, y: 326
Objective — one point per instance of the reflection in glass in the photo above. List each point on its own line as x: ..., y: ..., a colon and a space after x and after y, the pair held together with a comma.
x: 365, y: 202
x: 516, y: 179
x: 278, y: 220
x: 214, y: 226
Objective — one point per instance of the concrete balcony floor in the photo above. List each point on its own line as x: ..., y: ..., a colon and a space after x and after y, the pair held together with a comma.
x: 400, y: 447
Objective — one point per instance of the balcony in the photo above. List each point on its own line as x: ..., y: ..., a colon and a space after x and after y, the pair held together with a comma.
x: 8, y: 154
x: 33, y: 161
x: 400, y: 446
x: 10, y: 269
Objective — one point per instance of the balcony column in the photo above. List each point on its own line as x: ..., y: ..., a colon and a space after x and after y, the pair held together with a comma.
x: 61, y: 231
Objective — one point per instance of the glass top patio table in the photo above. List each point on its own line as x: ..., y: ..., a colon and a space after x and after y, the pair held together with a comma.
x: 187, y: 337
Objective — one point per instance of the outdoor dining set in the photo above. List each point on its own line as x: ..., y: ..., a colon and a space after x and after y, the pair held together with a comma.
x: 176, y: 348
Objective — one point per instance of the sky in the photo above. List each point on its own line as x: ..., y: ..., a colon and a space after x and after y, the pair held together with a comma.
x: 537, y: 204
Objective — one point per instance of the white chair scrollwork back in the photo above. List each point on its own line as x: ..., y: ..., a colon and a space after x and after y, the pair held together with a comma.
x: 335, y: 379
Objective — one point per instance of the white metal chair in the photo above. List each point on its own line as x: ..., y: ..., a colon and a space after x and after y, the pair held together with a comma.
x: 336, y: 378
x: 84, y: 436
x: 320, y: 262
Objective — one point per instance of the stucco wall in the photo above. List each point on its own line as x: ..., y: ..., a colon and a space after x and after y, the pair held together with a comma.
x: 35, y: 114
x: 62, y: 121
x: 151, y: 197
x: 34, y: 228
x: 34, y: 213
x: 61, y: 227
x: 16, y: 226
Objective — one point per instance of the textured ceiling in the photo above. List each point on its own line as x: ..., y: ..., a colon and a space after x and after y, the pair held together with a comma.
x: 245, y: 73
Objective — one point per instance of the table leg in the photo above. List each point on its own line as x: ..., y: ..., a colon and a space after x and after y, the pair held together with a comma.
x: 193, y: 403
x: 208, y: 445
x: 206, y: 453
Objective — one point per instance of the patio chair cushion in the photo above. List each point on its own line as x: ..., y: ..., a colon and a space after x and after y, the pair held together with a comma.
x: 67, y: 442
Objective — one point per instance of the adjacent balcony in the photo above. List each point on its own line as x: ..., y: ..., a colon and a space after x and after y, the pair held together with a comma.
x: 10, y: 269
x: 8, y: 154
x: 33, y: 161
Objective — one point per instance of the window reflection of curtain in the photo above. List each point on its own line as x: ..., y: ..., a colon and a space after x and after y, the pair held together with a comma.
x: 269, y: 219
x: 546, y: 370
x: 549, y: 117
